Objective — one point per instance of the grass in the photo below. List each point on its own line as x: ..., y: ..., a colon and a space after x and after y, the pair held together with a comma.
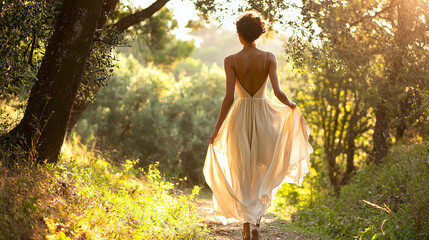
x: 389, y: 201
x: 88, y: 197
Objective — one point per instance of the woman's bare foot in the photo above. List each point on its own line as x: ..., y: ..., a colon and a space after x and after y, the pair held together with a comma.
x: 256, y: 234
x: 246, y: 231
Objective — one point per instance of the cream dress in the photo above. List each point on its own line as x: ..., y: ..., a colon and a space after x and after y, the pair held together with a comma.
x: 259, y: 146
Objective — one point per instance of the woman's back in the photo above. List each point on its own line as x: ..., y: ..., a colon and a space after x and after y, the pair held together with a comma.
x: 257, y: 144
x: 251, y: 69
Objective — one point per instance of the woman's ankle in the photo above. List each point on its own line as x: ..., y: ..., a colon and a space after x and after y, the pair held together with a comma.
x: 246, y: 230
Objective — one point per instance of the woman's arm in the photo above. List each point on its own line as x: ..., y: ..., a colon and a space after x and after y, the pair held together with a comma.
x: 229, y: 96
x: 278, y: 91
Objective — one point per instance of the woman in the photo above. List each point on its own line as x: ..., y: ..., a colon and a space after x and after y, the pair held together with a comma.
x: 259, y: 144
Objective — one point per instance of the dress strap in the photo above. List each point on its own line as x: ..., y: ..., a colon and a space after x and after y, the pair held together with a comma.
x: 265, y: 60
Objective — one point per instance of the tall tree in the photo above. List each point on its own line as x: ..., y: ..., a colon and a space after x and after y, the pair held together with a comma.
x: 388, y: 39
x: 44, y: 124
x: 46, y: 116
x: 155, y: 43
x: 52, y: 97
x: 336, y: 108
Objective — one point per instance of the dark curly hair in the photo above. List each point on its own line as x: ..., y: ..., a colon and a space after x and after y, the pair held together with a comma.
x: 250, y: 26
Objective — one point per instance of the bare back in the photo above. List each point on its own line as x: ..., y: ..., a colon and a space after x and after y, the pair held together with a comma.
x: 251, y: 69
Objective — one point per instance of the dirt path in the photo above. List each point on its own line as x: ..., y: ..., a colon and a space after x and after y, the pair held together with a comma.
x: 272, y: 228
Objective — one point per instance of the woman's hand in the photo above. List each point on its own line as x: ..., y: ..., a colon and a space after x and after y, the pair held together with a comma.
x: 213, y: 136
x: 292, y: 105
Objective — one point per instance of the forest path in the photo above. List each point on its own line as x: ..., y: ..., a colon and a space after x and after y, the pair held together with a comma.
x: 272, y: 228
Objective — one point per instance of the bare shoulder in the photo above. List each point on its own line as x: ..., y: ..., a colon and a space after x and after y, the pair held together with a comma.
x: 271, y: 56
x: 229, y: 59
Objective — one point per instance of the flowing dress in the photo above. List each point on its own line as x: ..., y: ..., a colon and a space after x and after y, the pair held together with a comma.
x: 259, y: 146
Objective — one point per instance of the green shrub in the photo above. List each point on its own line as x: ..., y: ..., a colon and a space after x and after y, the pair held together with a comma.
x: 389, y: 201
x: 145, y: 113
x: 85, y: 197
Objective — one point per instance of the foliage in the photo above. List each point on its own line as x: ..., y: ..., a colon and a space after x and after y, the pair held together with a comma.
x: 100, y: 63
x: 147, y: 114
x: 25, y: 27
x: 338, y: 111
x: 188, y: 67
x: 290, y: 197
x: 386, y: 202
x: 271, y: 10
x: 156, y: 42
x: 358, y: 93
x: 86, y: 197
x: 8, y: 115
x: 153, y: 42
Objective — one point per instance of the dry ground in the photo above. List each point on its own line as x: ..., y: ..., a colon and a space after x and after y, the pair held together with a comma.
x: 271, y: 226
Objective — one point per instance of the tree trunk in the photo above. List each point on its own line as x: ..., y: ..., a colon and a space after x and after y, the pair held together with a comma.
x: 46, y: 117
x: 120, y: 26
x: 332, y: 170
x: 350, y: 144
x: 390, y: 89
x: 350, y: 153
x: 381, y: 131
x: 80, y: 106
x: 402, y: 124
x: 405, y: 112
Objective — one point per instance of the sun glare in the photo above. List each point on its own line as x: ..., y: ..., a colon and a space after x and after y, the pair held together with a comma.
x: 185, y: 11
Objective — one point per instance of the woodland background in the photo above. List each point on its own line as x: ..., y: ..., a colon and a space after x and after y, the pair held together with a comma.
x: 103, y: 110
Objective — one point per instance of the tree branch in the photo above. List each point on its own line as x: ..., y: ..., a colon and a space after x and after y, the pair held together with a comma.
x: 33, y: 45
x: 139, y: 16
x: 108, y: 7
x: 375, y: 14
x: 340, y: 145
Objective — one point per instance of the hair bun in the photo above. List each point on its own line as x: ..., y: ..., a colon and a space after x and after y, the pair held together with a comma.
x: 250, y: 26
